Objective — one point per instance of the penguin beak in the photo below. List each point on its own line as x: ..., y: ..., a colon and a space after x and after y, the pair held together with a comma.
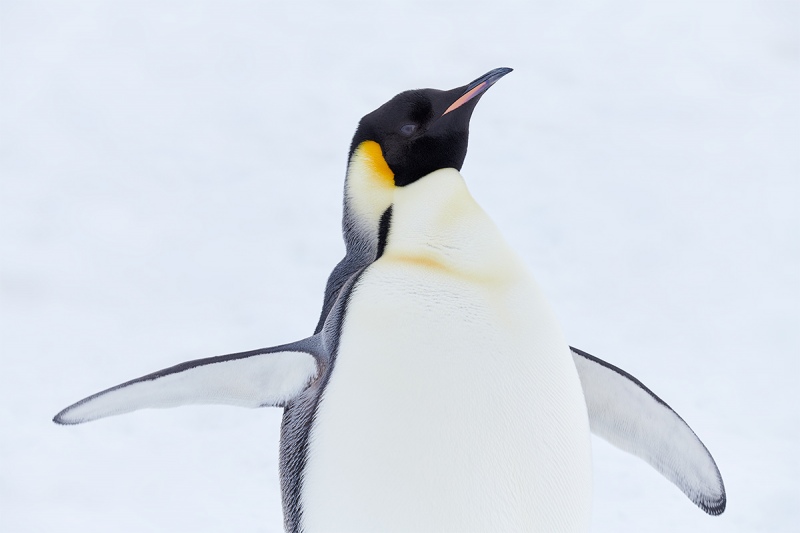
x: 478, y: 87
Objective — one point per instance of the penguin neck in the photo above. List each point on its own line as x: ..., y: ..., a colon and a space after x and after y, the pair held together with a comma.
x: 436, y: 223
x: 360, y: 240
x: 368, y: 191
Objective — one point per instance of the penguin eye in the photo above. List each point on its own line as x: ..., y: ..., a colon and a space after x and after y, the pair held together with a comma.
x: 408, y: 129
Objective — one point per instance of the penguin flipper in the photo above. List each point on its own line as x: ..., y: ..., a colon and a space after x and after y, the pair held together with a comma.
x: 631, y: 417
x: 259, y: 378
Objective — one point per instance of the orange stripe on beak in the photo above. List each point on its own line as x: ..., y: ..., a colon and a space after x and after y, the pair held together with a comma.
x: 469, y: 95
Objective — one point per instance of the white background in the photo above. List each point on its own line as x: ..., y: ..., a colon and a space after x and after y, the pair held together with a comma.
x: 171, y: 188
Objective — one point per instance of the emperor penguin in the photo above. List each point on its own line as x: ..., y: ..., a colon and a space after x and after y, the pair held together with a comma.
x: 437, y: 392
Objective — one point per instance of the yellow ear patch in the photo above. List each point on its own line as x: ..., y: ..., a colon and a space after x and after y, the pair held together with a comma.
x: 369, y: 187
x: 372, y: 156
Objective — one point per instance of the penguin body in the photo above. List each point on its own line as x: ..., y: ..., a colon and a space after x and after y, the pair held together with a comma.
x: 449, y: 371
x: 437, y: 392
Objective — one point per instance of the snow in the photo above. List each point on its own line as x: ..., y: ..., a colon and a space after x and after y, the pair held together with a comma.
x: 170, y: 188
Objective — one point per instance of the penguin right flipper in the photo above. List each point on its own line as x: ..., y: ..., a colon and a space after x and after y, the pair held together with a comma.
x: 259, y: 378
x: 631, y: 417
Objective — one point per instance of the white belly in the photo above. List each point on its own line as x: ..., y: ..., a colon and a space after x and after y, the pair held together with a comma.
x: 454, y: 405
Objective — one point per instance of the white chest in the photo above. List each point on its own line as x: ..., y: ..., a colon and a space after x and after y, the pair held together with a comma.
x: 454, y: 404
x: 450, y: 408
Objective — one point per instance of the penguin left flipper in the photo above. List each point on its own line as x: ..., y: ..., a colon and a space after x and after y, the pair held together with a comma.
x: 259, y: 378
x: 631, y: 417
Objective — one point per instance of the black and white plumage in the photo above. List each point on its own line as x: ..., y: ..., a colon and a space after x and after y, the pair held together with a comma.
x: 418, y: 136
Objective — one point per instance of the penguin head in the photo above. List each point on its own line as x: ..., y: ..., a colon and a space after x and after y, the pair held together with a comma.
x: 423, y: 130
x: 413, y: 134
